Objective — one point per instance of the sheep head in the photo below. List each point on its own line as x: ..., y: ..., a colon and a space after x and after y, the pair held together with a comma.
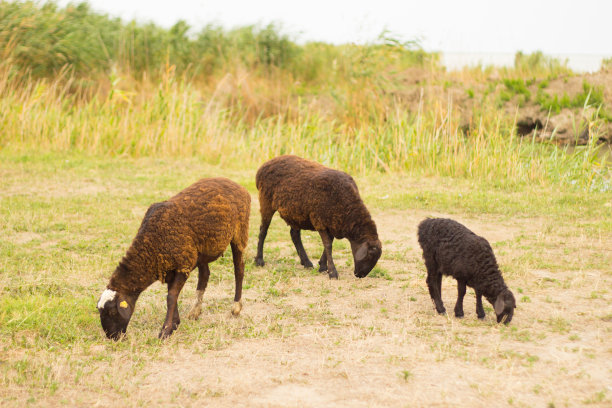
x: 115, y: 312
x: 504, y: 306
x: 366, y: 255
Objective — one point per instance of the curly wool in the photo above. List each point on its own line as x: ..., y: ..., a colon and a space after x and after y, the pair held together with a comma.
x: 460, y: 253
x: 193, y: 227
x: 310, y: 196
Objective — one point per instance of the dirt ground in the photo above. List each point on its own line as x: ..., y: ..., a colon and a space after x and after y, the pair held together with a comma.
x: 378, y: 342
x: 387, y: 347
x: 303, y: 340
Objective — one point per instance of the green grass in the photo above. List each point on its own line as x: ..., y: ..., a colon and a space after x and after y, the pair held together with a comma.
x: 517, y: 87
x: 380, y: 273
x: 590, y: 96
x: 67, y: 220
x: 53, y: 319
x: 479, y: 198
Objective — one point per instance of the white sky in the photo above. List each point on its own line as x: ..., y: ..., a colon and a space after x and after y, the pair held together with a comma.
x: 476, y: 26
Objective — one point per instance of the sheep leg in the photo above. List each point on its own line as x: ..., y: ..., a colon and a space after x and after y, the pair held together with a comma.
x: 323, y: 260
x: 239, y: 276
x: 203, y: 275
x: 479, y: 309
x: 327, y: 244
x: 175, y: 284
x: 266, y: 218
x: 434, y: 284
x: 460, y: 295
x: 296, y: 237
x: 439, y: 288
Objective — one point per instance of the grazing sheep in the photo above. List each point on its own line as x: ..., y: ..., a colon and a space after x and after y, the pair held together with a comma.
x: 310, y: 196
x: 449, y: 248
x: 191, y: 229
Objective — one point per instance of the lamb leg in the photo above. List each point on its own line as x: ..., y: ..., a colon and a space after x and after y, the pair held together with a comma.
x: 460, y: 295
x: 479, y: 309
x: 434, y: 284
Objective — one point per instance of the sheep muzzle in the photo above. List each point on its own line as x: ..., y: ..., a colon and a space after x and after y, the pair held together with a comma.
x: 504, y: 306
x: 366, y: 255
x: 115, y: 313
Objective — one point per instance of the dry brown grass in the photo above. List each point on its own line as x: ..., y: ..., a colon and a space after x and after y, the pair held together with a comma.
x: 301, y: 340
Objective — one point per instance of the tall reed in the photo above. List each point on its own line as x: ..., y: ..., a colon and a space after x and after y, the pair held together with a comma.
x: 75, y: 80
x: 175, y: 118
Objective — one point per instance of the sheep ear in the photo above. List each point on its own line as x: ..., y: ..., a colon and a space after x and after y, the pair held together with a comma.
x: 361, y: 252
x: 124, y: 309
x: 499, y: 304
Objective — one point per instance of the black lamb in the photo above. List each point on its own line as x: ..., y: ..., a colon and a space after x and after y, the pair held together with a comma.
x: 310, y: 196
x: 449, y: 248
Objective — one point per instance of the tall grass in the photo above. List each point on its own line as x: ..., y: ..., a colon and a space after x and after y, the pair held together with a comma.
x: 77, y: 80
x: 539, y: 65
x: 177, y: 119
x: 42, y: 39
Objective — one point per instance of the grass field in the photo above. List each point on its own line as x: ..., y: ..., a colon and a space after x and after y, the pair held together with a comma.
x: 302, y: 340
x: 99, y: 118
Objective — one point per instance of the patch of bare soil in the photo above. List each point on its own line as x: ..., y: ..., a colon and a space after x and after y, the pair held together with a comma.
x: 375, y: 342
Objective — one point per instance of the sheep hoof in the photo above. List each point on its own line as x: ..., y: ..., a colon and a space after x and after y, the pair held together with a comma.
x: 195, y: 312
x: 259, y: 262
x: 165, y: 333
x: 237, y: 308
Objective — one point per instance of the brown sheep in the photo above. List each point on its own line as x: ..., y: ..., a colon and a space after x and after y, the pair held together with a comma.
x: 191, y: 229
x: 310, y: 196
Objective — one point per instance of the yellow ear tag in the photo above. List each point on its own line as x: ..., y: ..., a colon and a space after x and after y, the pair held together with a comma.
x: 123, y: 304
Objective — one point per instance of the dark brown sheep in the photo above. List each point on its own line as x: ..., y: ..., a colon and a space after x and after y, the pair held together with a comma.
x: 451, y: 249
x: 191, y: 229
x: 310, y: 196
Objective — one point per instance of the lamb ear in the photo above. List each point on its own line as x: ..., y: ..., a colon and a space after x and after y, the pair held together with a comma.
x: 361, y: 252
x: 124, y: 309
x: 499, y: 304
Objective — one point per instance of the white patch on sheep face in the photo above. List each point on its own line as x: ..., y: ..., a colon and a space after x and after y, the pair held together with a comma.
x: 107, y: 295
